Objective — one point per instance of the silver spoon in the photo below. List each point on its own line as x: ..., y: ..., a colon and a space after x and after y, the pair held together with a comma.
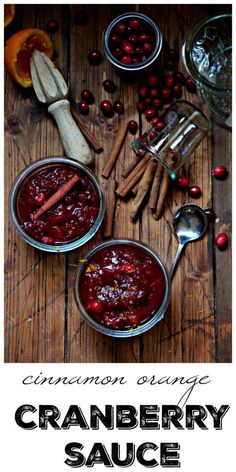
x: 189, y: 223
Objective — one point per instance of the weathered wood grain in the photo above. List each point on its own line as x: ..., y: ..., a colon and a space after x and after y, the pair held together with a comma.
x: 42, y: 322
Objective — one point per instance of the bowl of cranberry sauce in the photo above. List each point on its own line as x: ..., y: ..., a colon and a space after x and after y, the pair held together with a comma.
x: 72, y: 220
x: 122, y: 288
x: 132, y: 41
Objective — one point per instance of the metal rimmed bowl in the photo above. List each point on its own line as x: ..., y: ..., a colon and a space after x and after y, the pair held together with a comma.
x: 43, y: 164
x: 156, y: 316
x: 141, y: 65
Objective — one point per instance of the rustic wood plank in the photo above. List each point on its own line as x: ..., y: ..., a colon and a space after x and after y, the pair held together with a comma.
x: 42, y: 323
x: 35, y: 290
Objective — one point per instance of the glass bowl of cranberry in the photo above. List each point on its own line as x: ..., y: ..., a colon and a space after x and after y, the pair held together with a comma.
x: 132, y: 41
x: 122, y: 288
x: 72, y: 220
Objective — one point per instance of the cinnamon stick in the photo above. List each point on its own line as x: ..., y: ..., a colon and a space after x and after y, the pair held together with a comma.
x: 162, y: 195
x: 169, y: 159
x: 133, y: 178
x: 131, y: 166
x: 143, y: 188
x: 155, y: 187
x: 86, y: 131
x: 56, y: 197
x: 116, y: 149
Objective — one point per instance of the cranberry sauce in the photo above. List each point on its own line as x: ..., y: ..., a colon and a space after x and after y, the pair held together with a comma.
x: 70, y: 218
x: 122, y: 286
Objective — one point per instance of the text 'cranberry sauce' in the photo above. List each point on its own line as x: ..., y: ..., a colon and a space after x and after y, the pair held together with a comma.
x: 122, y: 286
x: 69, y: 219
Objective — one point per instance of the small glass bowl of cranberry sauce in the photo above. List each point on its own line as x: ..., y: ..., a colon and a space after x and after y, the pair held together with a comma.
x: 73, y: 220
x: 132, y: 41
x: 122, y: 288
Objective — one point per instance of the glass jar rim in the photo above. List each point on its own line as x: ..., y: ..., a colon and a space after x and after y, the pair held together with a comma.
x: 187, y: 56
x: 160, y: 312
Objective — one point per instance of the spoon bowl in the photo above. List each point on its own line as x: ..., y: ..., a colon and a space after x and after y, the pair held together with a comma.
x: 189, y: 223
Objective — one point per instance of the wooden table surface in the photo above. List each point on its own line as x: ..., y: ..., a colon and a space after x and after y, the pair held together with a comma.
x: 42, y: 323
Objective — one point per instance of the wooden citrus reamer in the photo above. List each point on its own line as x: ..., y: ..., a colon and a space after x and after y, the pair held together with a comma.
x: 51, y: 88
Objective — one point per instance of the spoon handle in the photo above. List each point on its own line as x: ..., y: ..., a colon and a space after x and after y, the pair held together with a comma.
x: 174, y: 264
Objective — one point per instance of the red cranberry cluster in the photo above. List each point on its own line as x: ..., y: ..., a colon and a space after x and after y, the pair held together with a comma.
x: 132, y: 41
x: 161, y: 88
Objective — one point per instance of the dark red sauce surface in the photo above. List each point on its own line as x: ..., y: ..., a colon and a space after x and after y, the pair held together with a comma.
x: 122, y: 286
x: 69, y: 219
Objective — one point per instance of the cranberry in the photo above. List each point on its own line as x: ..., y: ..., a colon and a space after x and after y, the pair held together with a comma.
x: 127, y: 47
x: 117, y: 53
x: 134, y: 23
x: 169, y: 82
x: 195, y: 191
x: 95, y: 57
x: 177, y: 90
x: 140, y: 107
x: 144, y: 58
x: 126, y: 60
x: 138, y: 51
x: 83, y: 107
x: 166, y: 94
x: 52, y: 26
x: 154, y: 92
x: 40, y: 199
x: 150, y: 112
x: 95, y: 307
x: 220, y: 172
x: 210, y: 215
x: 190, y: 84
x: 183, y: 183
x: 143, y: 38
x: 48, y: 240
x: 143, y: 91
x: 106, y: 107
x: 136, y: 60
x: 119, y: 107
x: 179, y: 77
x: 152, y: 135
x: 81, y: 18
x: 109, y: 85
x: 160, y: 125
x: 87, y: 96
x: 173, y: 55
x: 152, y: 80
x: 154, y: 121
x: 133, y: 126
x: 121, y: 28
x: 148, y: 48
x: 115, y: 38
x: 222, y: 240
x: 133, y: 38
x: 157, y: 103
x: 170, y: 65
x: 148, y: 102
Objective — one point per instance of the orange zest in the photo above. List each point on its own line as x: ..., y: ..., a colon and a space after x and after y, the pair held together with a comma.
x: 19, y: 49
x: 9, y: 13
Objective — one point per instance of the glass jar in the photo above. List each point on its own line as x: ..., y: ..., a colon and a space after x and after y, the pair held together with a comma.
x: 184, y: 127
x: 156, y: 316
x: 33, y: 169
x: 132, y: 67
x: 207, y: 55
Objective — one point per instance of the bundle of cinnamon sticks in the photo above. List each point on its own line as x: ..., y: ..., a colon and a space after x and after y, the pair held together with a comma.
x: 147, y: 176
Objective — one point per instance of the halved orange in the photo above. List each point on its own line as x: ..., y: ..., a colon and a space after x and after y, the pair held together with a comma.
x: 19, y: 49
x: 9, y: 13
